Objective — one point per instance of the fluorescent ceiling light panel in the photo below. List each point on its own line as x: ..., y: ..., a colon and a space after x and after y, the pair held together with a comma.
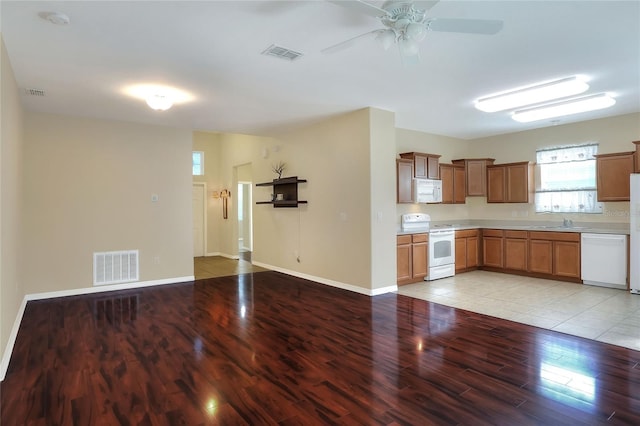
x: 533, y: 94
x: 559, y: 109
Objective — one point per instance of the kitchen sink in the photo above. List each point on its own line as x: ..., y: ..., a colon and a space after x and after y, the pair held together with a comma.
x: 568, y: 228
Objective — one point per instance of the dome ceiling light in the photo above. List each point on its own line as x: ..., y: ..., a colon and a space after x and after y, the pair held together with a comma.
x: 158, y: 97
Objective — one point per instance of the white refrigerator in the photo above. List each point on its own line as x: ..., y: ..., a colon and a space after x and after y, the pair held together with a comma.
x: 634, y: 234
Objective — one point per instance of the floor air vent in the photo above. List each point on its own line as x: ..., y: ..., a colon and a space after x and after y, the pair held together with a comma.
x: 115, y: 267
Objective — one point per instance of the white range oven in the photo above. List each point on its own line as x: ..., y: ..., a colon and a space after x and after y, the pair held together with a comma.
x: 442, y: 253
x: 442, y: 244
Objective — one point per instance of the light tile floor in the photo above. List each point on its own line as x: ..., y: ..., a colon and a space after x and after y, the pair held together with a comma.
x: 602, y: 314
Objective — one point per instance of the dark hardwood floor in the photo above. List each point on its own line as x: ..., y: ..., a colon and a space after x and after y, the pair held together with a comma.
x: 267, y: 348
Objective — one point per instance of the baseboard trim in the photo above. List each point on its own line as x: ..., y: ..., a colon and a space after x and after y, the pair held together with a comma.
x: 103, y: 288
x: 332, y: 283
x: 8, y: 350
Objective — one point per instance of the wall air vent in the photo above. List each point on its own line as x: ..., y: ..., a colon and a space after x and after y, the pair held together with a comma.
x: 115, y: 267
x: 34, y: 92
x: 281, y: 52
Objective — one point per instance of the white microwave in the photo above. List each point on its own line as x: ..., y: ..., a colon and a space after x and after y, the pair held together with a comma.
x: 427, y: 190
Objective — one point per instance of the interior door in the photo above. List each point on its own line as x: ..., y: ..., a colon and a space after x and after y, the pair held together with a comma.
x: 198, y: 220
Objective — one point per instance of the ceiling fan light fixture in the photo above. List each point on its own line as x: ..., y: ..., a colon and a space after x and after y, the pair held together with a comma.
x: 535, y: 94
x: 559, y: 109
x: 408, y: 46
x: 386, y: 38
x: 416, y: 31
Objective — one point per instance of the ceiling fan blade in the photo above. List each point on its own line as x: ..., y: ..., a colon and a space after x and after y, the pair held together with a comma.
x: 471, y: 26
x: 347, y: 43
x: 361, y: 7
x: 425, y: 4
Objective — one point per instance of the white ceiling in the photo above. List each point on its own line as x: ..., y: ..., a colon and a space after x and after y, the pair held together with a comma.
x: 211, y: 49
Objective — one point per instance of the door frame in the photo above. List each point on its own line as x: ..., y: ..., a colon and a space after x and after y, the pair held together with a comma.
x: 248, y: 213
x: 204, y: 215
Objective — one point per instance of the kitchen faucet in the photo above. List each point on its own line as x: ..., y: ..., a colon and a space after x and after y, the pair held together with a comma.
x: 567, y: 223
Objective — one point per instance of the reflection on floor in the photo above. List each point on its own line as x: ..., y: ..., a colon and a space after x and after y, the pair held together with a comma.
x: 218, y: 266
x: 602, y: 314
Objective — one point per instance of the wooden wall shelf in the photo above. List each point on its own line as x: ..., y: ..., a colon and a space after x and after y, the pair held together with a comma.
x: 288, y: 187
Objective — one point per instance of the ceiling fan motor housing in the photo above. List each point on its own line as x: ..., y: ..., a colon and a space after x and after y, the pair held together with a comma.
x: 404, y: 19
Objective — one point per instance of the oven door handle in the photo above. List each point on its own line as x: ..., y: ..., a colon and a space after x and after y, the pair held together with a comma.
x: 443, y: 233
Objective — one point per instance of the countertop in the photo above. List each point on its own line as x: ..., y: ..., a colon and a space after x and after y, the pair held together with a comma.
x: 580, y: 227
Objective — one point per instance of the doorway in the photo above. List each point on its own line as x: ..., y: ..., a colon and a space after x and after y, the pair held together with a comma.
x: 199, y: 222
x: 244, y: 212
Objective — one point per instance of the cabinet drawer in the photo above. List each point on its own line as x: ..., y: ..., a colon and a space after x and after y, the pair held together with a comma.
x: 419, y: 238
x: 515, y: 234
x: 554, y: 236
x: 403, y: 239
x: 467, y: 233
x: 492, y: 233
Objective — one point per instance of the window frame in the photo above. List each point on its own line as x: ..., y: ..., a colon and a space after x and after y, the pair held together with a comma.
x: 201, y: 164
x: 578, y: 196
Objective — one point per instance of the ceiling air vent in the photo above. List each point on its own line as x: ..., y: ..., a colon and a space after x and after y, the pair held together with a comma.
x: 34, y: 92
x: 282, y: 52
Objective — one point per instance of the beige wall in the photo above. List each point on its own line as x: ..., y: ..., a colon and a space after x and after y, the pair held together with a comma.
x: 614, y: 134
x: 382, y: 174
x: 210, y: 144
x: 449, y: 149
x: 11, y: 165
x: 88, y: 188
x: 332, y: 234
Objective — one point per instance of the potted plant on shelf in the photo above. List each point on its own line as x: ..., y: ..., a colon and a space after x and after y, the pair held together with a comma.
x: 278, y: 169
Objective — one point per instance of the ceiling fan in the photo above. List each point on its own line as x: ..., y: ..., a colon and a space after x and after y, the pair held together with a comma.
x: 406, y: 24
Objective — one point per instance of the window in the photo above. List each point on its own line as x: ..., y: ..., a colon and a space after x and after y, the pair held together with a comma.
x: 567, y: 180
x: 198, y: 163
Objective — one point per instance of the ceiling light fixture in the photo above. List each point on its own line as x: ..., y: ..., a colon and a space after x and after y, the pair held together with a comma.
x: 56, y: 18
x: 559, y: 109
x: 533, y: 94
x: 158, y: 96
x: 159, y: 102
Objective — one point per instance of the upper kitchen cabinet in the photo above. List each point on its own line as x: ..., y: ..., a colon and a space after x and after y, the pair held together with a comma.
x: 476, y: 175
x: 404, y: 179
x: 424, y: 165
x: 510, y: 183
x: 612, y: 175
x: 454, y: 183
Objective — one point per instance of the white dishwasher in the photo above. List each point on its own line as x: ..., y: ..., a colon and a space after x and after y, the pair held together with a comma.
x: 604, y: 260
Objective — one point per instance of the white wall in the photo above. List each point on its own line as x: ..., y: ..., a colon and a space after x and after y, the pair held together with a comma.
x: 88, y: 188
x: 11, y: 168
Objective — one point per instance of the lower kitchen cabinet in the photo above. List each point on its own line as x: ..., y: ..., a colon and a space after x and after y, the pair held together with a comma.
x: 566, y: 259
x: 541, y: 256
x: 556, y: 254
x: 545, y: 254
x: 467, y: 249
x: 412, y: 253
x: 403, y: 250
x: 493, y: 248
x: 515, y: 250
